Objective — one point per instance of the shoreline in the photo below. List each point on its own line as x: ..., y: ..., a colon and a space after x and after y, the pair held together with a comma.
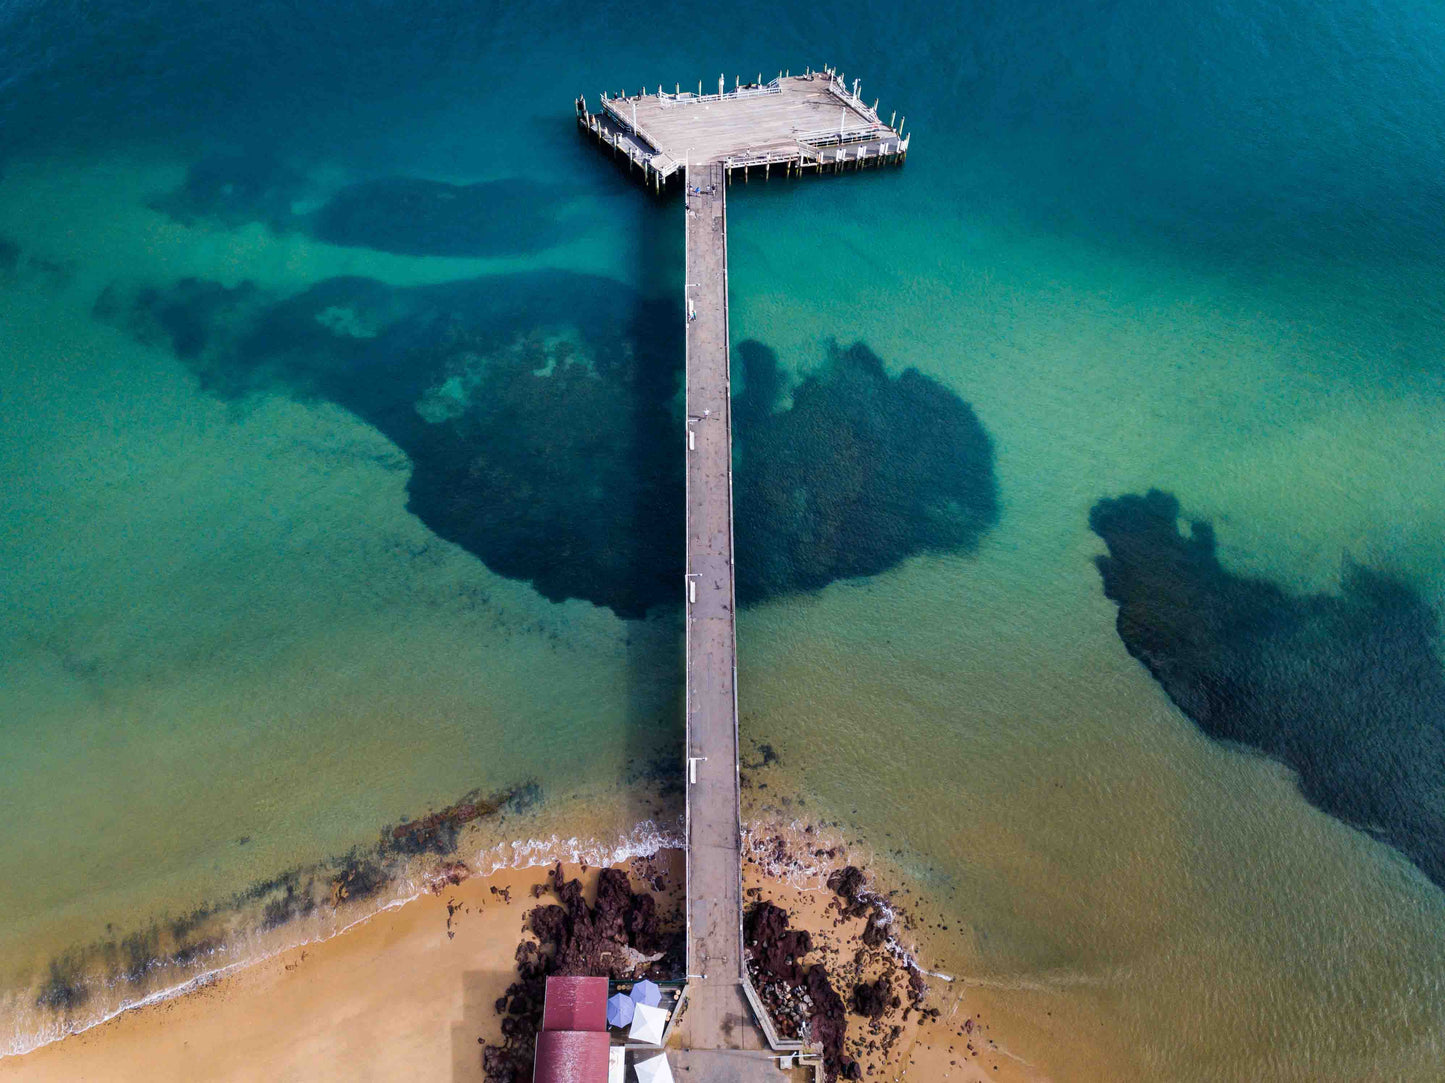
x: 409, y: 990
x: 240, y: 938
x: 372, y: 991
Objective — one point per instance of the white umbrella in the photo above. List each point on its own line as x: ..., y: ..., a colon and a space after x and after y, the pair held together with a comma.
x: 648, y: 1023
x: 655, y: 1070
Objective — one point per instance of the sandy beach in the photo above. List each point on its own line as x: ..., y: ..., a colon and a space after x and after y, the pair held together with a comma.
x: 405, y: 994
x: 410, y: 994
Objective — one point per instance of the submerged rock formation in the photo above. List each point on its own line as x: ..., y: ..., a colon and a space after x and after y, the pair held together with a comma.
x: 416, y: 217
x: 235, y: 188
x: 540, y: 413
x: 409, y: 216
x: 861, y: 471
x: 538, y: 410
x: 1346, y: 689
x: 166, y: 952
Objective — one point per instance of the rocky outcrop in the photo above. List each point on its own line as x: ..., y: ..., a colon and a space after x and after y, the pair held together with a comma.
x: 620, y: 935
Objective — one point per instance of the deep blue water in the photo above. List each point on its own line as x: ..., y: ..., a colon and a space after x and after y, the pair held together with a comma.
x: 1301, y: 127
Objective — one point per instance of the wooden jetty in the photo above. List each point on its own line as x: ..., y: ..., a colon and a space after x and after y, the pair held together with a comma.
x: 795, y: 124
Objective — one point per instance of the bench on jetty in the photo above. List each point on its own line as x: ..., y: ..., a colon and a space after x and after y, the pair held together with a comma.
x: 795, y: 124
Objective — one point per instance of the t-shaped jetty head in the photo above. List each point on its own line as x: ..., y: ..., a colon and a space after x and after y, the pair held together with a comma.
x: 763, y: 128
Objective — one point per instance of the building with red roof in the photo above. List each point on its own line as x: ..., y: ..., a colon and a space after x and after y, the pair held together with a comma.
x: 572, y: 1046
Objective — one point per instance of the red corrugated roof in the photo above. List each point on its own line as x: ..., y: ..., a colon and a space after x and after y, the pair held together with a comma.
x: 575, y: 1004
x: 571, y: 1056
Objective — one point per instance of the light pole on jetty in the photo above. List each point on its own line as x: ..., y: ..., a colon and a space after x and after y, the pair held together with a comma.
x: 704, y: 142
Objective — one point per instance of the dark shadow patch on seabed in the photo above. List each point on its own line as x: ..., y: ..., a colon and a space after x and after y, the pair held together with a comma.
x: 9, y: 255
x: 541, y: 414
x: 234, y: 189
x: 418, y: 217
x: 539, y: 410
x: 1345, y: 689
x: 19, y: 267
x: 860, y: 472
x: 410, y: 216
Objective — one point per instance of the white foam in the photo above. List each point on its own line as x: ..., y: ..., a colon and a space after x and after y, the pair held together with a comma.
x: 806, y: 872
x: 644, y: 840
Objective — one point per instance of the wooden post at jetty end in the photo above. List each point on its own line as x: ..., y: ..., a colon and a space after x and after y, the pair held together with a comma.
x: 698, y: 142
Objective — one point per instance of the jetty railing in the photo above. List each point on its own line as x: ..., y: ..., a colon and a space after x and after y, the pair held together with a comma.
x: 840, y: 89
x: 806, y: 156
x: 831, y: 137
x: 631, y: 125
x: 687, y: 97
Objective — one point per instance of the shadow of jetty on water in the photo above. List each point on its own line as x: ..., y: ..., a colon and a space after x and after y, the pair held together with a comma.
x: 1345, y: 689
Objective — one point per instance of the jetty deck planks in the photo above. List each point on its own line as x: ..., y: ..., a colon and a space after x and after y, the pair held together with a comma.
x: 717, y: 1010
x: 795, y: 123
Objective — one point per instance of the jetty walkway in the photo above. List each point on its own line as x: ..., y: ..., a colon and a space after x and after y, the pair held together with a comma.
x: 792, y: 125
x: 716, y: 1005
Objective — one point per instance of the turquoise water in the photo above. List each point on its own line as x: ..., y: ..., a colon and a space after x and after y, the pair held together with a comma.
x: 1179, y: 246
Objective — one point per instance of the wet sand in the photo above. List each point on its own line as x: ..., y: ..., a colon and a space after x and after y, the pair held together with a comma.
x: 395, y: 997
x: 409, y: 994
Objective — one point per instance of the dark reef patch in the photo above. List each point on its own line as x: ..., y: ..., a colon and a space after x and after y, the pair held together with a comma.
x: 416, y: 217
x: 1346, y: 689
x: 861, y: 471
x: 188, y: 316
x: 65, y: 986
x: 234, y: 189
x: 540, y: 412
x: 410, y: 216
x: 166, y: 951
x: 29, y: 268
